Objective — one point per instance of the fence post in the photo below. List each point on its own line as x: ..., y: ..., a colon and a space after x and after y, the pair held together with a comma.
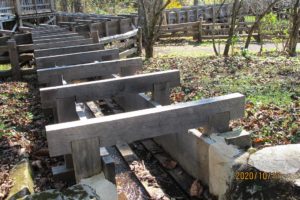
x: 140, y: 41
x: 14, y: 58
x: 161, y: 93
x: 200, y: 30
x: 106, y: 28
x: 95, y: 37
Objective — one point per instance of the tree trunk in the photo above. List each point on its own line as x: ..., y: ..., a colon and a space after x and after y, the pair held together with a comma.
x: 149, y: 50
x: 64, y: 5
x: 150, y: 18
x: 235, y: 11
x: 196, y: 2
x: 257, y: 22
x: 294, y: 33
x: 78, y: 6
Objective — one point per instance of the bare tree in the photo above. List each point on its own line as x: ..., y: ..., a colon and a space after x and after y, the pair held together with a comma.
x: 236, y: 7
x: 78, y: 6
x: 64, y: 5
x: 260, y: 8
x: 150, y: 18
x: 294, y: 32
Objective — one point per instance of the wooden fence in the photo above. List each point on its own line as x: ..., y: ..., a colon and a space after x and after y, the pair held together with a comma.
x: 120, y: 33
x: 204, y: 31
x: 74, y: 134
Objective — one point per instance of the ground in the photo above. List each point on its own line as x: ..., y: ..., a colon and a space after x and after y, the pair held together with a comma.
x: 271, y: 84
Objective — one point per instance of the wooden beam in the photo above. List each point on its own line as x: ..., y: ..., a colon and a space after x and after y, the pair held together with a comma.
x: 89, y: 70
x: 143, y: 124
x: 76, y: 58
x: 63, y: 44
x: 59, y: 35
x: 95, y: 90
x: 44, y: 41
x: 67, y: 50
x: 123, y: 36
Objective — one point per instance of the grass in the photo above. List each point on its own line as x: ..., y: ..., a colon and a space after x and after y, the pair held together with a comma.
x: 271, y: 86
x: 5, y: 67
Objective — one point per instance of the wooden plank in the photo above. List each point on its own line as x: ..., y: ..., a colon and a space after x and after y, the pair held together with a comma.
x: 50, y: 34
x: 128, y: 52
x: 59, y: 35
x: 43, y: 41
x: 138, y: 125
x: 178, y: 174
x: 123, y: 36
x: 63, y: 44
x: 74, y: 58
x: 86, y: 158
x: 130, y: 157
x: 95, y: 90
x: 67, y: 50
x: 89, y: 70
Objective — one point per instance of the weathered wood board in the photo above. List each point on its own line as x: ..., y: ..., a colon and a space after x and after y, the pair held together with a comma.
x: 143, y: 124
x: 96, y: 90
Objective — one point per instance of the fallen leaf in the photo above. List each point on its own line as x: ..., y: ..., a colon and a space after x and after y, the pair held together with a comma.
x: 196, y: 189
x: 169, y: 164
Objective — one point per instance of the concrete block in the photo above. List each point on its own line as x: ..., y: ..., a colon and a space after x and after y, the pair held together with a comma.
x: 222, y: 158
x: 240, y: 138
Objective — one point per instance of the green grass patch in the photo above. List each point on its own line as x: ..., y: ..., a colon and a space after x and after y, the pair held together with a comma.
x: 5, y: 67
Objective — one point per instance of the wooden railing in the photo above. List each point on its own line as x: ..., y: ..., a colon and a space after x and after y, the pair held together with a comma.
x: 7, y: 7
x: 202, y: 31
x: 30, y: 7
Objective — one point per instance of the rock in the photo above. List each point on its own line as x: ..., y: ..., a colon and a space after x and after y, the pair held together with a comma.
x: 23, y: 182
x: 271, y: 173
x: 76, y: 192
x: 284, y: 159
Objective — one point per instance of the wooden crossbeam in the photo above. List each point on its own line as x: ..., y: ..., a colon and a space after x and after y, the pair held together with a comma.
x: 65, y: 35
x: 76, y: 58
x: 44, y: 41
x: 67, y: 50
x: 74, y: 72
x: 96, y: 90
x: 50, y: 34
x: 63, y: 44
x: 143, y: 124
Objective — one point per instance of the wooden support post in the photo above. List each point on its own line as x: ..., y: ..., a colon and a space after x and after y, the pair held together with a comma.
x: 161, y: 93
x: 108, y: 166
x: 177, y: 16
x: 200, y: 30
x: 140, y: 41
x: 106, y: 28
x: 86, y: 158
x: 14, y: 58
x: 187, y: 16
x: 95, y: 37
x: 66, y: 112
x: 119, y: 26
x: 196, y: 14
x: 218, y: 123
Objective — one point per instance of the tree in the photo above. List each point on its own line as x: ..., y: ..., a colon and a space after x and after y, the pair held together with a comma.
x: 260, y: 8
x: 294, y: 32
x: 150, y: 18
x: 78, y: 6
x: 64, y: 5
x: 236, y: 7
